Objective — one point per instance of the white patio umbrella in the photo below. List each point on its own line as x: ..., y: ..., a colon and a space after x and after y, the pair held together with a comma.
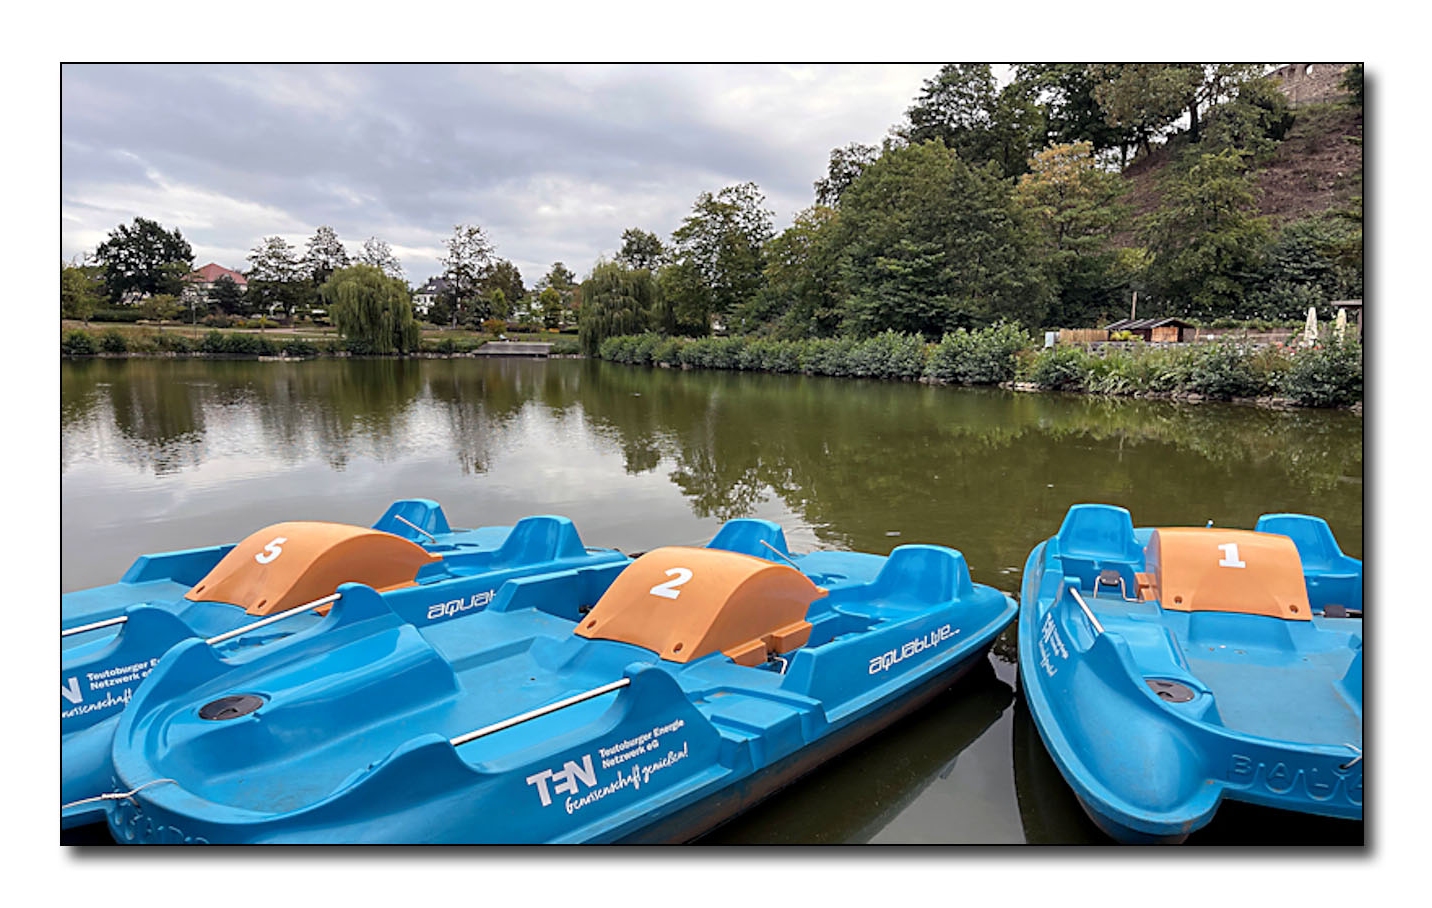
x: 1310, y: 333
x: 1340, y: 326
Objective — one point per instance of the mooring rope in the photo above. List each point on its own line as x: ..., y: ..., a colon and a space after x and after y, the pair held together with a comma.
x: 115, y: 795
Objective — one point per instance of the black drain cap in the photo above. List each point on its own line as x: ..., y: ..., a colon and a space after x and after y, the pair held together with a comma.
x: 1172, y: 691
x: 231, y: 707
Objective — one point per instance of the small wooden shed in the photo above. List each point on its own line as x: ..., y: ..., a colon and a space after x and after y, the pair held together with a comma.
x: 1156, y: 330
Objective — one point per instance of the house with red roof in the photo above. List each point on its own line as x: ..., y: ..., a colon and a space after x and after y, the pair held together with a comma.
x: 204, y: 278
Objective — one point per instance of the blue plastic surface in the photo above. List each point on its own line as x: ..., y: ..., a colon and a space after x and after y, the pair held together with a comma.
x: 102, y: 669
x: 1254, y: 708
x: 353, y: 740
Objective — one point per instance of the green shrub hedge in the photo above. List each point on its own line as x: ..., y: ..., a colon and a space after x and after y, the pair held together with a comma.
x: 1328, y: 376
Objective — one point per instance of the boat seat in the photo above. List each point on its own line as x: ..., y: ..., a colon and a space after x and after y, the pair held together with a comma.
x: 912, y: 579
x: 1332, y: 578
x: 746, y: 535
x: 1096, y: 538
x: 421, y: 512
x: 534, y: 540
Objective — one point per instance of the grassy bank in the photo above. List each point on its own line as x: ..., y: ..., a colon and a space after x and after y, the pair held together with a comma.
x: 1327, y: 376
x: 150, y: 341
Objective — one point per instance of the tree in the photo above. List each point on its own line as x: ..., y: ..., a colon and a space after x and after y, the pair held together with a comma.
x: 561, y: 279
x: 640, y: 249
x: 371, y: 310
x: 1352, y: 83
x: 615, y: 300
x: 931, y: 244
x: 1073, y: 207
x: 465, y: 268
x: 1207, y: 239
x: 1149, y: 97
x: 380, y: 255
x: 1254, y: 120
x: 1144, y: 98
x: 227, y: 297
x: 80, y: 287
x: 845, y: 165
x: 275, y: 277
x: 963, y: 107
x: 325, y: 255
x: 1072, y: 113
x: 1304, y: 266
x: 144, y: 259
x: 718, y: 257
x: 498, y: 306
x: 954, y: 107
x: 551, y: 303
x: 506, y: 277
x: 803, y: 281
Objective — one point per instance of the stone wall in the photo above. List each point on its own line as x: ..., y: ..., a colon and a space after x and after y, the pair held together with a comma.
x: 1305, y: 83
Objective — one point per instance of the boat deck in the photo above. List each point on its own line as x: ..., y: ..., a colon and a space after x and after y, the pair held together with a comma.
x: 1280, y: 700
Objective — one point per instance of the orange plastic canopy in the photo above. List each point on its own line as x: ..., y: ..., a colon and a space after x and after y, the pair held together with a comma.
x: 1213, y: 569
x: 685, y: 603
x: 289, y: 564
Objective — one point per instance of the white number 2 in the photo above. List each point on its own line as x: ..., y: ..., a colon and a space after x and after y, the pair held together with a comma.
x: 272, y: 550
x: 668, y: 590
x: 1230, y: 556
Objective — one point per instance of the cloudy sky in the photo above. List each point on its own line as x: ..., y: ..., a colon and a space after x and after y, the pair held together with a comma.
x: 553, y: 162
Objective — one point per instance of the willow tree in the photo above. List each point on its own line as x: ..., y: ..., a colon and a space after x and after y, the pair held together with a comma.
x: 615, y: 301
x: 371, y: 309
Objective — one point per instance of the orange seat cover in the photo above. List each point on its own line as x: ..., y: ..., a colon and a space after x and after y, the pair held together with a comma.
x: 289, y: 564
x: 684, y: 603
x: 1216, y: 570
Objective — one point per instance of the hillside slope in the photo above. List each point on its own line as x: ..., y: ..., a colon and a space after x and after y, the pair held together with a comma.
x: 1317, y: 166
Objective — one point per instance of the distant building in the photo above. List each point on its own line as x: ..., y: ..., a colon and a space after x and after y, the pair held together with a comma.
x: 427, y: 294
x: 1308, y: 83
x: 1156, y: 330
x: 205, y: 278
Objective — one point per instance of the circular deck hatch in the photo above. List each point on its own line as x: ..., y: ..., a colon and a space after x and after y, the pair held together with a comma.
x: 1172, y: 691
x: 231, y: 707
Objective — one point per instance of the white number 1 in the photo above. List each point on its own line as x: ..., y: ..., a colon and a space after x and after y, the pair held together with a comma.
x: 272, y: 550
x: 1230, y: 556
x: 668, y: 590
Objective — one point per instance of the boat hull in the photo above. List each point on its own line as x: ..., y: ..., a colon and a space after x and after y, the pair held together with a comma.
x: 710, y: 813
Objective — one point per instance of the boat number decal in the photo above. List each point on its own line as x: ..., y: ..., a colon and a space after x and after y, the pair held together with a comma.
x: 889, y: 659
x: 1050, y: 642
x: 272, y: 550
x: 120, y: 675
x: 668, y: 590
x: 455, y: 606
x: 1230, y: 556
x: 578, y: 779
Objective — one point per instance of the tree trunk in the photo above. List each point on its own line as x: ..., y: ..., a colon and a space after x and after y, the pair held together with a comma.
x: 1193, y: 121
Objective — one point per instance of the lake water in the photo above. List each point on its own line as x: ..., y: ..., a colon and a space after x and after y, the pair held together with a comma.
x: 159, y: 455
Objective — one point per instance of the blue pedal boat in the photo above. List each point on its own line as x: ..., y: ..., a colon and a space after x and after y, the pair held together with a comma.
x: 1167, y: 669
x: 701, y: 681
x: 274, y: 583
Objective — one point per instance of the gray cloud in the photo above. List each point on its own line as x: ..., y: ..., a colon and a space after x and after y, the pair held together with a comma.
x: 553, y: 162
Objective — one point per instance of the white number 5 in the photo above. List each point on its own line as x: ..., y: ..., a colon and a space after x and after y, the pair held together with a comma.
x: 1230, y: 556
x: 272, y: 550
x: 668, y: 590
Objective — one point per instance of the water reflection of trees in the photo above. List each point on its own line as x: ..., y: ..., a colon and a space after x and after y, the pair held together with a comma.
x: 861, y: 461
x: 868, y: 465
